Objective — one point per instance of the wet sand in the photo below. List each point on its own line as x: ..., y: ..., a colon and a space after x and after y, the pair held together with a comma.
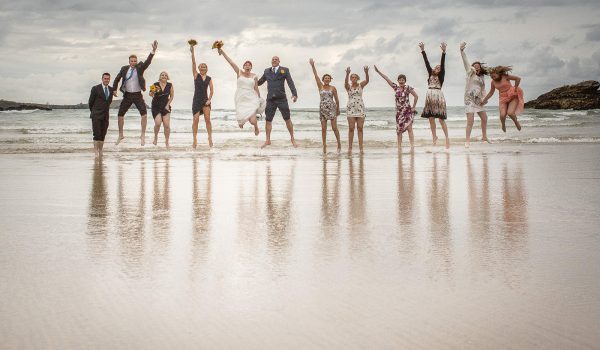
x: 495, y: 248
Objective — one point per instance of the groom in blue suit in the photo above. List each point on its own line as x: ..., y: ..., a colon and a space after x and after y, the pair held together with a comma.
x: 276, y: 76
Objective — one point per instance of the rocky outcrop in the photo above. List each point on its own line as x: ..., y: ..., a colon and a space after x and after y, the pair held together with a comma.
x: 584, y: 95
x: 18, y: 106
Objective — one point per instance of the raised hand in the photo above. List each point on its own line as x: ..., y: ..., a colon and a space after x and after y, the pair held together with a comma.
x: 191, y: 49
x: 154, y: 46
x: 366, y: 68
x: 220, y: 51
x: 443, y: 46
x: 376, y: 69
x: 462, y: 46
x: 422, y: 46
x: 311, y: 61
x: 348, y: 70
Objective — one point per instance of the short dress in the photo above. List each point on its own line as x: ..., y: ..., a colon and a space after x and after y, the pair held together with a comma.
x: 404, y: 112
x: 507, y: 94
x: 356, y: 106
x: 160, y: 100
x: 327, y: 107
x: 435, y: 103
x: 200, y: 94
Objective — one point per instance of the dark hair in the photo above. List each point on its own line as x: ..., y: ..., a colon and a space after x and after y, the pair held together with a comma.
x: 247, y: 62
x: 103, y: 74
x: 326, y: 75
x: 483, y: 69
x: 401, y: 76
x: 132, y: 56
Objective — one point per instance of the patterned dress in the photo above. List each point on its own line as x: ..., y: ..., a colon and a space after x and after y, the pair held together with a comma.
x: 404, y: 112
x: 435, y: 103
x: 327, y: 107
x: 356, y: 106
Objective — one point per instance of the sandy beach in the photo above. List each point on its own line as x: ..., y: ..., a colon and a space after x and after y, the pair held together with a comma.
x: 495, y: 247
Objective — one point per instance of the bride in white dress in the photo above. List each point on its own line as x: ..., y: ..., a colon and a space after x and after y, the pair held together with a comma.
x: 248, y: 102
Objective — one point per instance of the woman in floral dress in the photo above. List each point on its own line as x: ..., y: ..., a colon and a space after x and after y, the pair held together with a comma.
x: 474, y: 94
x: 405, y: 113
x: 355, y: 110
x: 435, y: 103
x: 329, y: 106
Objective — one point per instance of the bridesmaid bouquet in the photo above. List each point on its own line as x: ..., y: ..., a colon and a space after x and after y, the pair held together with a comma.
x: 192, y: 42
x: 154, y: 88
x: 217, y: 44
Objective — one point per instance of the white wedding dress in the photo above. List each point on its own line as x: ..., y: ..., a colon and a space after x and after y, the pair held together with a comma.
x: 247, y: 102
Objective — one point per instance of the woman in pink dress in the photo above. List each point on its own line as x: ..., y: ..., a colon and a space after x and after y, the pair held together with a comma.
x: 511, y: 97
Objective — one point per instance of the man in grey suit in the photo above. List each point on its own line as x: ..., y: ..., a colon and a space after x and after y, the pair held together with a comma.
x: 100, y: 99
x: 276, y: 76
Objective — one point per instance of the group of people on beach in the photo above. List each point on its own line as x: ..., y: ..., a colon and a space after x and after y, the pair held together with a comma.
x: 250, y: 106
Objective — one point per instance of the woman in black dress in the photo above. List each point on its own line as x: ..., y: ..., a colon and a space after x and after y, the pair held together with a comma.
x: 162, y: 94
x: 201, y: 102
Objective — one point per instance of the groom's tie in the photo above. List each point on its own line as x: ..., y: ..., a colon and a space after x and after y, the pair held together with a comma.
x: 273, y: 70
x: 106, y: 93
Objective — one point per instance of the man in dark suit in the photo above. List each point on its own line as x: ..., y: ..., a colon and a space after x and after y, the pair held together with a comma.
x: 100, y: 99
x: 276, y: 76
x: 132, y: 87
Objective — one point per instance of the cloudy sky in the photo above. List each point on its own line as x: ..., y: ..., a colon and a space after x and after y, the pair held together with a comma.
x: 54, y: 51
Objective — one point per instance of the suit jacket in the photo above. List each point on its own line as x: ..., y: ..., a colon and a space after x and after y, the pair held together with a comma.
x: 140, y: 68
x: 276, y: 82
x: 98, y: 103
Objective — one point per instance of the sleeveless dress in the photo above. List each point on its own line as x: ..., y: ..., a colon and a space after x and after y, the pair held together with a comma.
x: 200, y: 94
x: 247, y: 102
x: 160, y: 100
x: 507, y: 94
x: 356, y: 106
x: 404, y: 112
x: 327, y: 107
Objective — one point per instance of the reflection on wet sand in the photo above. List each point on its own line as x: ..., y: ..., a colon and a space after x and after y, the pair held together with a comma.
x: 201, y: 209
x: 98, y: 211
x: 479, y: 202
x: 161, y: 207
x: 131, y: 218
x: 357, y: 206
x: 279, y: 189
x: 441, y: 231
x: 330, y: 203
x: 406, y: 202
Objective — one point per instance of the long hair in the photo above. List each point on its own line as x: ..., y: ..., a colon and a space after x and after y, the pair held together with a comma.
x: 500, y: 70
x: 483, y: 70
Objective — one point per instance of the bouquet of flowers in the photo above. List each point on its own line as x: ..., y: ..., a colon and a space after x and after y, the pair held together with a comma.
x: 154, y: 89
x: 192, y: 42
x: 217, y: 44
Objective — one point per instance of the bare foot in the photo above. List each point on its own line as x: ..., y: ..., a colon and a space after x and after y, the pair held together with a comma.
x: 143, y: 140
x: 241, y: 126
x: 349, y: 150
x: 210, y: 143
x: 256, y: 130
x: 447, y: 143
x: 503, y: 124
x: 195, y: 144
x: 517, y: 124
x: 119, y: 139
x: 467, y: 144
x: 485, y: 139
x: 362, y: 151
x: 435, y: 140
x: 339, y: 149
x: 294, y: 143
x: 155, y: 141
x: 324, y: 149
x: 267, y: 143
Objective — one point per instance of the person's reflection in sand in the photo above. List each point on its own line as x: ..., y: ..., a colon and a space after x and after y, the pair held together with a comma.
x: 161, y: 206
x: 406, y: 202
x: 479, y: 202
x: 441, y: 235
x: 131, y: 218
x: 98, y: 212
x: 201, y: 208
x: 280, y: 188
x: 250, y: 213
x: 330, y: 204
x: 357, y: 218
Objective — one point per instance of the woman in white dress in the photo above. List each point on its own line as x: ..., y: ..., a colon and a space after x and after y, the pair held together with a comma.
x: 355, y: 110
x: 474, y: 95
x: 248, y: 102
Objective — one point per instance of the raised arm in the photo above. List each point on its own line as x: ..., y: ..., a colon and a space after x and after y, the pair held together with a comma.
x: 366, y: 81
x: 92, y: 98
x: 390, y: 83
x: 427, y: 65
x: 236, y: 69
x: 346, y: 80
x: 148, y: 60
x: 312, y: 64
x: 464, y: 57
x: 194, y: 70
x: 443, y: 62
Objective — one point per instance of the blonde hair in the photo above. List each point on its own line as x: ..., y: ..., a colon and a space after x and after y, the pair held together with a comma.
x: 167, y: 74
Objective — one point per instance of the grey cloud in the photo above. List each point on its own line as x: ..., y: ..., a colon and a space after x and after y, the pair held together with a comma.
x: 593, y: 34
x: 443, y: 27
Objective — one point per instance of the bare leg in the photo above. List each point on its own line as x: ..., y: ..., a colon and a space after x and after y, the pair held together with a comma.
x: 411, y: 136
x: 324, y: 134
x: 157, y: 122
x: 143, y: 122
x: 351, y: 126
x: 445, y: 128
x: 195, y: 121
x: 483, y: 116
x: 120, y: 122
x: 359, y: 127
x: 336, y: 132
x: 502, y: 107
x: 100, y: 148
x: 432, y: 127
x: 470, y: 121
x: 254, y: 122
x: 290, y: 128
x: 268, y: 127
x: 512, y: 108
x: 96, y: 149
x: 399, y: 139
x: 208, y: 125
x: 167, y: 128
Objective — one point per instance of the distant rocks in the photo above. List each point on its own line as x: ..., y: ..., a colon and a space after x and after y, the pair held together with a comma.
x: 584, y: 95
x: 18, y: 106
